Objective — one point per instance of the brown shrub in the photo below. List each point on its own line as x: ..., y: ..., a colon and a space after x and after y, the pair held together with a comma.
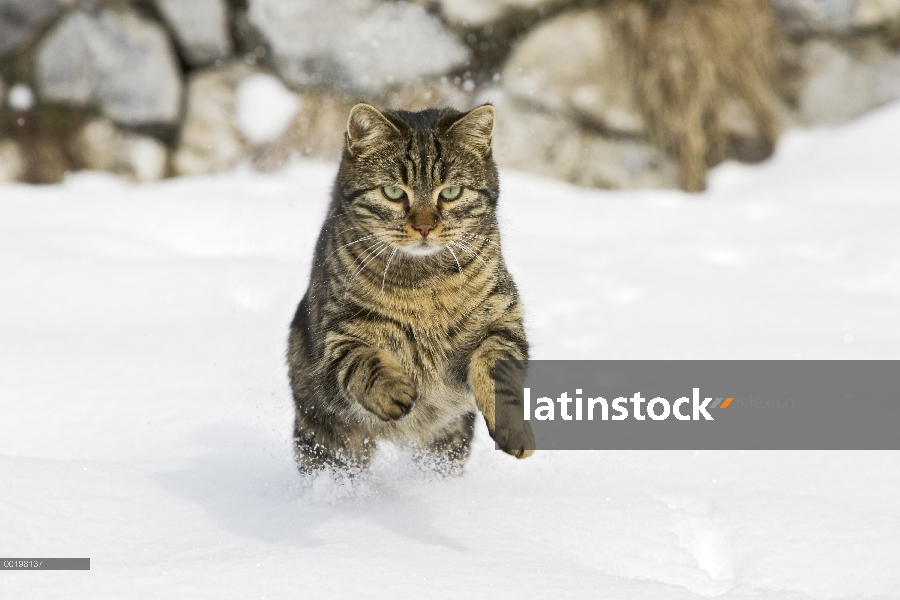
x: 693, y: 59
x: 42, y: 134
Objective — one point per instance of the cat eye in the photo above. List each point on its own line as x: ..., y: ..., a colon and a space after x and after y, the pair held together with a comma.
x: 451, y: 193
x: 393, y: 193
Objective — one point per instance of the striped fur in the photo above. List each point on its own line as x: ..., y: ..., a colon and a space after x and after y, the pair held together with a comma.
x: 409, y: 303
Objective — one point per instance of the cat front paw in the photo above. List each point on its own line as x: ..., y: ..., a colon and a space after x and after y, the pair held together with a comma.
x: 391, y: 396
x: 514, y: 437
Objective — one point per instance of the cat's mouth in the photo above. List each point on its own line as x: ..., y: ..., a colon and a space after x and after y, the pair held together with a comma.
x: 422, y: 248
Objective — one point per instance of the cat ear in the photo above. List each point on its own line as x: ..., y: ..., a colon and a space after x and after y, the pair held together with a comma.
x: 474, y: 130
x: 368, y: 129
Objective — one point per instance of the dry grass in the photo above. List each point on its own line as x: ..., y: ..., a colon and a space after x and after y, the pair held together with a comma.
x: 689, y: 60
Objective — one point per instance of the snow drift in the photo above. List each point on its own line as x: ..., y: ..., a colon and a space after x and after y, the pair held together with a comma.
x: 146, y: 417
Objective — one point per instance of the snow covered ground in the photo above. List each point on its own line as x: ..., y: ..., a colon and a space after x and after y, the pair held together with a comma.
x: 145, y: 417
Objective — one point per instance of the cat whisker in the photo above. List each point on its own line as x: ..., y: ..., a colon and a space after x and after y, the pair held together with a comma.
x: 369, y: 249
x: 386, y: 267
x: 371, y: 255
x: 507, y: 227
x: 351, y: 243
x: 458, y: 266
x: 479, y: 237
x: 468, y: 249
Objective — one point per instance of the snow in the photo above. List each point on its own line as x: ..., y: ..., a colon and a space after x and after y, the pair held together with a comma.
x: 264, y: 108
x: 146, y: 416
x: 359, y: 45
x: 21, y: 97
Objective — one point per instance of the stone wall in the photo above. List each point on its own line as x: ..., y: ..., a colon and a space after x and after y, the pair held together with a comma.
x: 603, y: 93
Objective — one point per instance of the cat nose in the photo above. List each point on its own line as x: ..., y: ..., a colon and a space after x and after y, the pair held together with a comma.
x: 424, y: 221
x: 424, y: 228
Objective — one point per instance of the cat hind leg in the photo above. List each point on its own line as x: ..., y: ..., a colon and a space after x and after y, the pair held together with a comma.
x: 316, y: 452
x: 446, y: 454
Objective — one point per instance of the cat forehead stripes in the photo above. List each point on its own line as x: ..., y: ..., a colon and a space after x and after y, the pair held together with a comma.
x: 420, y: 150
x: 368, y: 129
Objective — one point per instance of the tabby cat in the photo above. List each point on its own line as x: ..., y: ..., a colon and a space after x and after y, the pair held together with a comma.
x: 409, y: 303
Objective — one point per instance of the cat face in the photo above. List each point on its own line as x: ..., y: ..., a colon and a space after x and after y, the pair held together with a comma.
x: 419, y: 182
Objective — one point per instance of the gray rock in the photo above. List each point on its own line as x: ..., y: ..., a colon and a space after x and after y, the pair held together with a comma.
x: 442, y: 92
x: 210, y: 141
x: 100, y: 145
x: 316, y: 130
x: 473, y: 13
x: 552, y: 146
x: 116, y: 60
x: 201, y: 28
x: 264, y: 108
x: 840, y: 86
x: 875, y: 13
x: 574, y: 64
x: 835, y: 16
x: 20, y: 20
x: 355, y: 45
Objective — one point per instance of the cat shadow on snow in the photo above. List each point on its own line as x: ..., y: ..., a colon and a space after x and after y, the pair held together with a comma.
x: 248, y: 483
